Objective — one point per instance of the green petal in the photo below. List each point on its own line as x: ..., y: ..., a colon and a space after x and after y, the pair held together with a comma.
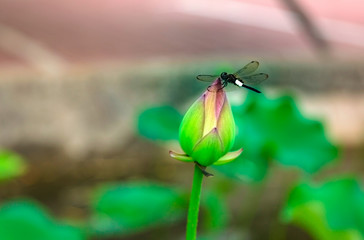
x: 209, y: 149
x: 180, y: 156
x: 191, y: 128
x: 228, y: 157
x: 226, y: 126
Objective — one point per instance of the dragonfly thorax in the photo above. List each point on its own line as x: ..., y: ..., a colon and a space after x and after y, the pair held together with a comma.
x: 226, y: 77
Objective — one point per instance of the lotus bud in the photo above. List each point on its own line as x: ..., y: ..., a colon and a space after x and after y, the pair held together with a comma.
x: 207, y: 131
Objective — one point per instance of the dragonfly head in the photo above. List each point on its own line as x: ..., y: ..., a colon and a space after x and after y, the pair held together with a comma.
x: 224, y: 75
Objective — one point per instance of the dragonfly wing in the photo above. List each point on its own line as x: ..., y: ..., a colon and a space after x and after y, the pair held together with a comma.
x: 255, y: 79
x: 207, y: 78
x: 247, y: 69
x: 231, y: 87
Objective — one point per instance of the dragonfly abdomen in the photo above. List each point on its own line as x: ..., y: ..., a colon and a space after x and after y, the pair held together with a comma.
x: 238, y: 82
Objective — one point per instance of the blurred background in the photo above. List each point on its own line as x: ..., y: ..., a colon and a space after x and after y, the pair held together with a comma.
x: 92, y: 94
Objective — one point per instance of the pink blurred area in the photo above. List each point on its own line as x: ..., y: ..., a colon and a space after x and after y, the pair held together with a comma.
x: 87, y: 31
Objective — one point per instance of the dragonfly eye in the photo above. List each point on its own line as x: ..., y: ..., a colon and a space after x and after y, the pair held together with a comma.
x: 223, y: 75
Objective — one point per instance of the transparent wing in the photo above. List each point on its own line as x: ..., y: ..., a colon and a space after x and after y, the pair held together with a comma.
x: 247, y: 69
x: 255, y: 79
x: 207, y: 78
x: 231, y: 87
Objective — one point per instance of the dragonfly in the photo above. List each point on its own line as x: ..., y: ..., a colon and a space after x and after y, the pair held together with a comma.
x: 240, y: 78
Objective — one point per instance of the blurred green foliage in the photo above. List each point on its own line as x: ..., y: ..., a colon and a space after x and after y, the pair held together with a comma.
x: 333, y: 210
x: 216, y: 213
x: 117, y: 209
x: 274, y: 129
x: 235, y: 234
x: 23, y: 219
x: 159, y: 123
x: 121, y: 209
x: 11, y: 165
x: 128, y: 208
x: 268, y: 130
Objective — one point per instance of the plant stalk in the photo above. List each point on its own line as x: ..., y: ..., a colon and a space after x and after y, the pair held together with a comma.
x: 193, y: 209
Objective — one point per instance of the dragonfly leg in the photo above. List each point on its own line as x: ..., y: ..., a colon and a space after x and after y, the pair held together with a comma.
x: 223, y: 85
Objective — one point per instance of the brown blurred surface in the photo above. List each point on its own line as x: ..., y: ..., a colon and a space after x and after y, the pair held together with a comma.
x: 89, y: 31
x: 95, y: 110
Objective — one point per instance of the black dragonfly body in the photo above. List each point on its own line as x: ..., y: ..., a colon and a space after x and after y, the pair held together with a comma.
x: 240, y: 78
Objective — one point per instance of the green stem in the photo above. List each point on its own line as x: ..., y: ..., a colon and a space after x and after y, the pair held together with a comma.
x: 194, y: 206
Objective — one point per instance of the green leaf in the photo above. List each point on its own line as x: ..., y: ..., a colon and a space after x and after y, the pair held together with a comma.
x: 275, y: 129
x: 159, y: 123
x: 11, y: 165
x: 21, y: 220
x: 230, y: 234
x: 333, y: 210
x: 134, y: 207
x: 216, y: 214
